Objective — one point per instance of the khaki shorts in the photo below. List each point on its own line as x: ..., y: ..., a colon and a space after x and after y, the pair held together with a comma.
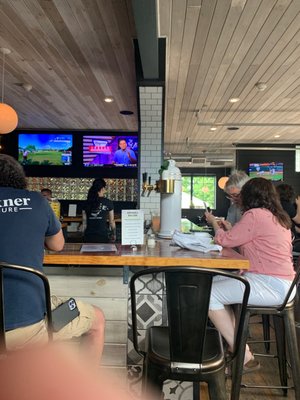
x: 37, y: 333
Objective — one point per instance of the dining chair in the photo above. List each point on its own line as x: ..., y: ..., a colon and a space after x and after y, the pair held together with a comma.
x: 28, y: 270
x: 186, y: 348
x: 285, y: 337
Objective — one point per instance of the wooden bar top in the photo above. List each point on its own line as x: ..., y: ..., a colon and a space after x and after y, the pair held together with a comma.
x: 78, y: 218
x: 161, y: 255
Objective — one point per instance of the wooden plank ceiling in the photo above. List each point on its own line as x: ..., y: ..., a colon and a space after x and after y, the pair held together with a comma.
x: 220, y: 49
x: 76, y: 52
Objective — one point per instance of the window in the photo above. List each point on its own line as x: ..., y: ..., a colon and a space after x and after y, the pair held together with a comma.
x: 297, y: 159
x: 198, y: 191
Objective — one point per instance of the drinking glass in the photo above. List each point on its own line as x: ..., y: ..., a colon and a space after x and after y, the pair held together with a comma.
x: 155, y: 222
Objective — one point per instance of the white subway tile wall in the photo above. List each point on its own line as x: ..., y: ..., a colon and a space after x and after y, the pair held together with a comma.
x: 151, y: 114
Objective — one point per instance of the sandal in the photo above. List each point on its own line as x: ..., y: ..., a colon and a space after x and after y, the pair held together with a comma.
x: 251, y: 366
x: 228, y: 371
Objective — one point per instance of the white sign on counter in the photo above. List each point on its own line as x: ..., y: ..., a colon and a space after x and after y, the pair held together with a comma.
x: 72, y: 210
x: 132, y: 227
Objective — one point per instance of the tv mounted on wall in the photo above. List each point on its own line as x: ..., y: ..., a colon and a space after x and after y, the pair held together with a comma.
x: 268, y: 170
x: 45, y: 149
x: 104, y: 150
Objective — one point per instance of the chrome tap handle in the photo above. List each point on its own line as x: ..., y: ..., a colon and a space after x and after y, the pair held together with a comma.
x: 150, y: 188
x: 144, y: 177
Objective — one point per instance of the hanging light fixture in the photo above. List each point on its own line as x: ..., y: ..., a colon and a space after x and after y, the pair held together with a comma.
x: 222, y: 182
x: 8, y: 116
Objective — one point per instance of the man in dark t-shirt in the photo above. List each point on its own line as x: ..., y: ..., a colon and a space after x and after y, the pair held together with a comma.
x: 28, y: 225
x: 28, y: 221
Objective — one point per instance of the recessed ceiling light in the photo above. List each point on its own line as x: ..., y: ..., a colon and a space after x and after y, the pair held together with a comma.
x: 276, y: 136
x: 126, y: 112
x: 234, y: 100
x: 261, y: 86
x: 108, y: 99
x: 213, y: 128
x: 5, y: 51
x: 27, y: 87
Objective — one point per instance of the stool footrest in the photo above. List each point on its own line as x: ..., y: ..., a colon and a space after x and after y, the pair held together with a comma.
x: 260, y: 341
x: 250, y: 386
x: 265, y: 355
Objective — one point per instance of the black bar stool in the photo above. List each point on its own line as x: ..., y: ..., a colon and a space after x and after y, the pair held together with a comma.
x: 186, y: 348
x: 285, y: 333
x: 45, y: 281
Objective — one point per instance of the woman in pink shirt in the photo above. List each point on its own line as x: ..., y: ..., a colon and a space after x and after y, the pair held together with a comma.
x: 263, y: 236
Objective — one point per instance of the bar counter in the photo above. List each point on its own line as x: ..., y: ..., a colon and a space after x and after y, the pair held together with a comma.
x: 161, y: 255
x: 102, y: 279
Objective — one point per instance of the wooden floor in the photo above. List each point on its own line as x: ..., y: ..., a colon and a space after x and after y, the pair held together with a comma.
x: 268, y: 374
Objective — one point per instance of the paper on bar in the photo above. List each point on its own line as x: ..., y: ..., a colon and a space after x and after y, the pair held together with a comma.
x: 72, y: 210
x: 98, y: 247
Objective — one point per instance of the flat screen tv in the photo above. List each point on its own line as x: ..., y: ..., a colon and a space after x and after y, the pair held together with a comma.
x: 110, y: 151
x: 45, y: 149
x: 268, y: 170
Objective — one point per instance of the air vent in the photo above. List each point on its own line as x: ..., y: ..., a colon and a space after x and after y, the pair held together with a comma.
x: 126, y: 112
x: 182, y: 159
x: 217, y: 163
x: 197, y: 160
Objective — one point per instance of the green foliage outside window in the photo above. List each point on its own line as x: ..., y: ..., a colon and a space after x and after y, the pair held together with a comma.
x: 197, y: 190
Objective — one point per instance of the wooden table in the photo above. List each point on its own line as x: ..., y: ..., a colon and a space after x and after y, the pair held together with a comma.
x: 161, y: 255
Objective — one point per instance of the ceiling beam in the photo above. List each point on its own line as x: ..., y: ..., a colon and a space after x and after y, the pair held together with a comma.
x: 146, y: 26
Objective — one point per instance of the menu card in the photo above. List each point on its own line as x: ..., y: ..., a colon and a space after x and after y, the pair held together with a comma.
x: 72, y: 210
x: 132, y: 227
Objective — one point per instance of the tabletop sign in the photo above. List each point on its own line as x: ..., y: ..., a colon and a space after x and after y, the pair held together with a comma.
x: 132, y: 227
x: 72, y: 210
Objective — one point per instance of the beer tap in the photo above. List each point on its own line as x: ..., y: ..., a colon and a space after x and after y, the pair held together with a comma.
x: 150, y: 187
x: 147, y: 187
x: 144, y: 183
x: 161, y: 186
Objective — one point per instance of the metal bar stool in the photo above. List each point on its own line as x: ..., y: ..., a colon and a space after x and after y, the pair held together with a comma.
x: 4, y: 266
x: 186, y: 348
x: 285, y: 333
x: 266, y: 318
